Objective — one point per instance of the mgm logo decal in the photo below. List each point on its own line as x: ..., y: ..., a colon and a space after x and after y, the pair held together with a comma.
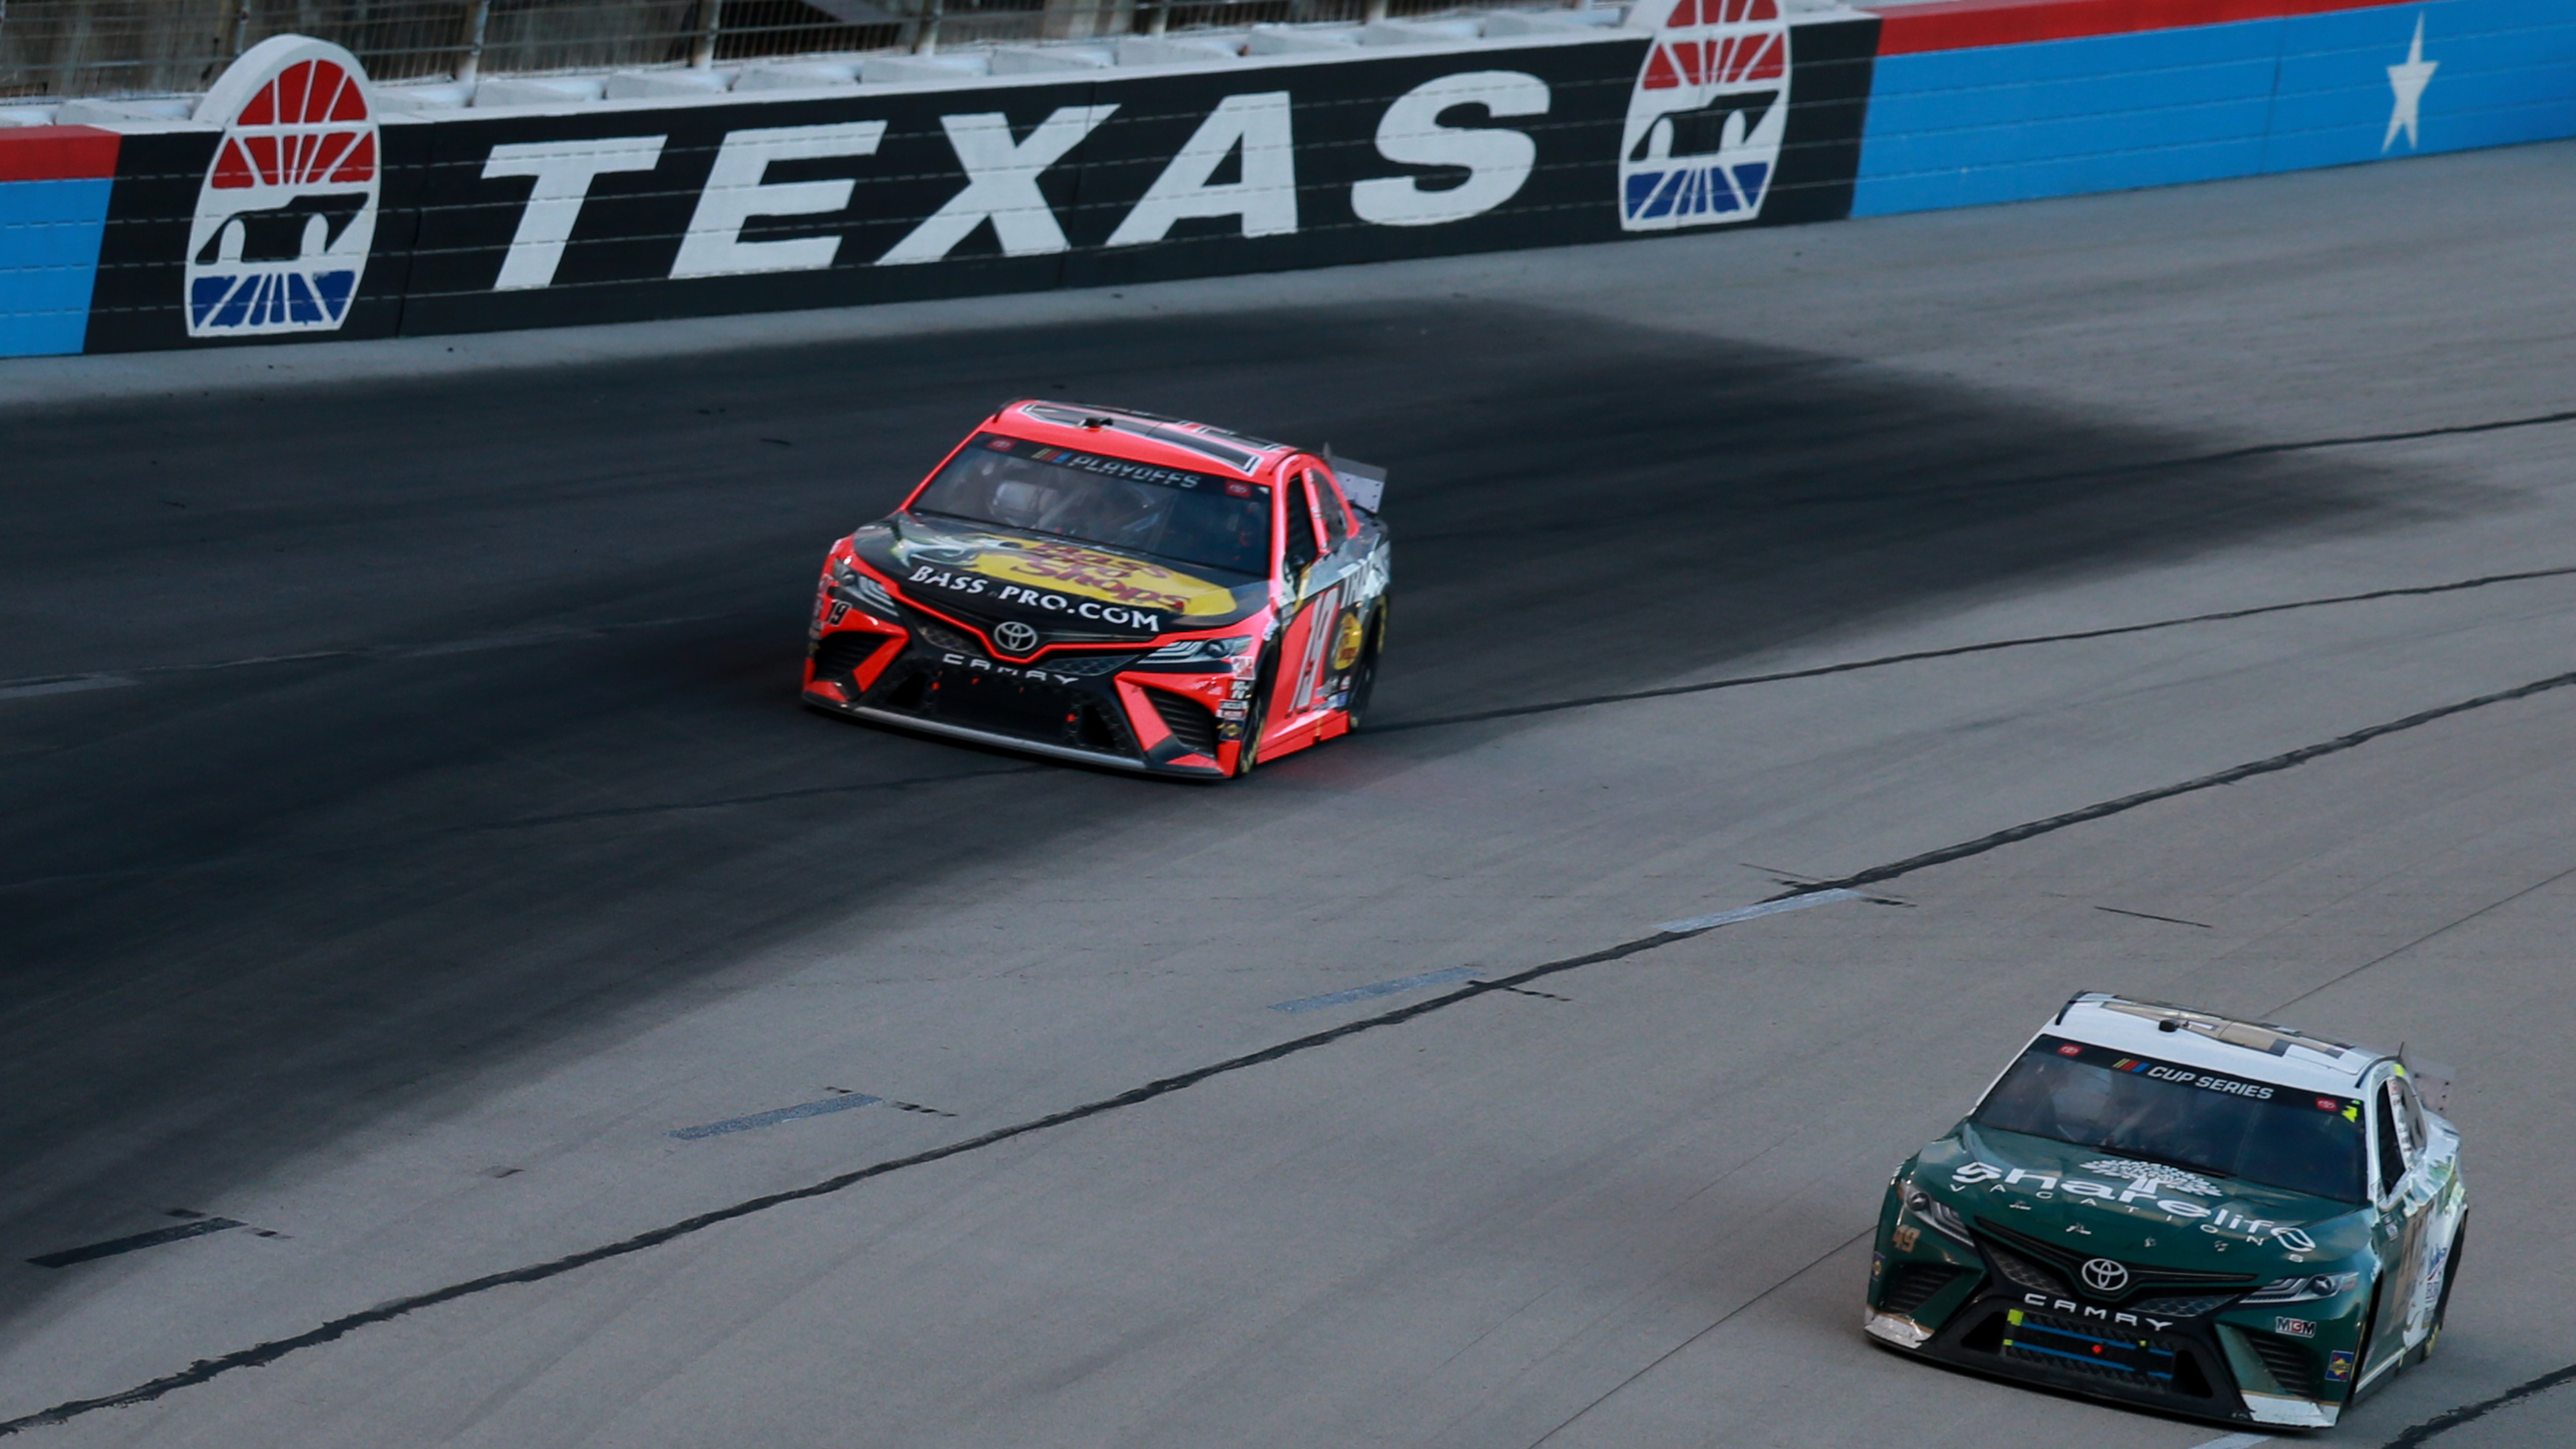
x: 1708, y: 113
x: 288, y: 208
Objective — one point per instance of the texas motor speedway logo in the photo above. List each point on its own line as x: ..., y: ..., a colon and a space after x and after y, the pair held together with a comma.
x: 1707, y: 116
x: 288, y: 208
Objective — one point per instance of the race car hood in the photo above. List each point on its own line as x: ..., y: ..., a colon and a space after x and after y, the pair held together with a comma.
x: 2137, y: 1212
x: 1070, y: 589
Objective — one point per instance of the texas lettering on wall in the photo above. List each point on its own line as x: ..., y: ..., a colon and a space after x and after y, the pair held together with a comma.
x: 618, y: 212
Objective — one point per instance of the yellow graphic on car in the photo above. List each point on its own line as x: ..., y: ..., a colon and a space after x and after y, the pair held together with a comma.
x: 1071, y: 568
x: 1346, y: 646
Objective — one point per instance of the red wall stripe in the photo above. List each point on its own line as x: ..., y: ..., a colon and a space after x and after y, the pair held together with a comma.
x: 57, y: 153
x: 1959, y: 24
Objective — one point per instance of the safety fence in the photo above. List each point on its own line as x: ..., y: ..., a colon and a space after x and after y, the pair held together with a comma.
x: 61, y: 49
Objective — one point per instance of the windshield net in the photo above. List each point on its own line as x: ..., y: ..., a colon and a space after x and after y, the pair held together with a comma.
x: 2166, y: 1112
x: 1167, y: 513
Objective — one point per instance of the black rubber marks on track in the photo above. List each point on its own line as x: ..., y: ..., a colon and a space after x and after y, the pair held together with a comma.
x: 275, y: 1349
x: 197, y: 1226
x: 1986, y: 647
x: 2441, y: 1424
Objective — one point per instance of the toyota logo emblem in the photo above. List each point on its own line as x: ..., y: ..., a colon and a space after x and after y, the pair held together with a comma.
x: 2104, y: 1276
x: 1016, y: 637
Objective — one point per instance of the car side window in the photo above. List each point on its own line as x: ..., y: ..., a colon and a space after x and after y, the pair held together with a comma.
x: 2392, y: 1148
x: 1300, y: 550
x: 1330, y: 507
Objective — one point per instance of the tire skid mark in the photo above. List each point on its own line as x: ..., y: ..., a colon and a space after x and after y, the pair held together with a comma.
x: 524, y: 822
x: 2443, y: 1423
x: 258, y: 1355
x: 520, y: 639
x: 1955, y: 651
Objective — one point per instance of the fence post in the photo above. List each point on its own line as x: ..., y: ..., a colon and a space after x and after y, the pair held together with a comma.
x: 478, y: 17
x: 1161, y: 19
x: 925, y: 34
x: 1376, y: 12
x: 238, y: 26
x: 710, y: 15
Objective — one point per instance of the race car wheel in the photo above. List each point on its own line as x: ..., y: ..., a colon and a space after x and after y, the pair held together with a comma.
x: 1364, y: 677
x: 2442, y: 1305
x: 1258, y: 710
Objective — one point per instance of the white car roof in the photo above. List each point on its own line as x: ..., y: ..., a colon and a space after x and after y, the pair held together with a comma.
x: 2213, y: 1043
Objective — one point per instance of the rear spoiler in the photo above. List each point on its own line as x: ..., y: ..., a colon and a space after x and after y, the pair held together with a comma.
x: 1364, y: 484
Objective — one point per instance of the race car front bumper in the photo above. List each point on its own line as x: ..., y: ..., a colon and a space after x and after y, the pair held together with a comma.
x: 2185, y: 1369
x: 1083, y: 709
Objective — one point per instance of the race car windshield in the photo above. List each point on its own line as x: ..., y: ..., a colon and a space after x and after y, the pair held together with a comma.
x: 2182, y: 1116
x: 1167, y: 513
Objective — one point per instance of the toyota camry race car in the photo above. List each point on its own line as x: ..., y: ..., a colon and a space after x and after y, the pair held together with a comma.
x: 2219, y: 1218
x: 1114, y: 588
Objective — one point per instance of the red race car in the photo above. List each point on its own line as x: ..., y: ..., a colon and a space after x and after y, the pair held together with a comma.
x: 1113, y: 588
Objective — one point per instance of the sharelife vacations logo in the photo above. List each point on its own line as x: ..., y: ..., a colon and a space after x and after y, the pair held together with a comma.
x: 1708, y: 113
x: 288, y: 208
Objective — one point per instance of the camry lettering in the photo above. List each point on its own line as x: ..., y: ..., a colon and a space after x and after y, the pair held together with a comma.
x: 968, y: 661
x: 2086, y: 1310
x: 2107, y: 1315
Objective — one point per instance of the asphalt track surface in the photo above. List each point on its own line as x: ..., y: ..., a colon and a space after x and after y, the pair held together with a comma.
x: 412, y: 828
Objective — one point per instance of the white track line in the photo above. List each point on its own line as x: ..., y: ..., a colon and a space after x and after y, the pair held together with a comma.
x: 1767, y: 908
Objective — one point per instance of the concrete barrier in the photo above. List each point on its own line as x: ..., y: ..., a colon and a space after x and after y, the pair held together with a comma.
x: 294, y: 202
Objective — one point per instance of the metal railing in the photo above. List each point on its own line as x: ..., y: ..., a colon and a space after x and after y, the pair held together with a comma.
x: 54, y: 50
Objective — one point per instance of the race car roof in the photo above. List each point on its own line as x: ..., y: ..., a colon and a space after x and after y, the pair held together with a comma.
x: 1144, y: 437
x: 2215, y: 1043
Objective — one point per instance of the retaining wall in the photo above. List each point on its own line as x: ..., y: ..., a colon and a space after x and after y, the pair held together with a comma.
x: 297, y: 204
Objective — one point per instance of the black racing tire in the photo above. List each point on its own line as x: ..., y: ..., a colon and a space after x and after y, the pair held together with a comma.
x: 1364, y: 677
x: 2450, y: 1279
x: 1256, y: 710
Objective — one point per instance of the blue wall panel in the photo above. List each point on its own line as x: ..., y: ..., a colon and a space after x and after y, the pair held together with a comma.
x: 49, y: 239
x: 2106, y: 113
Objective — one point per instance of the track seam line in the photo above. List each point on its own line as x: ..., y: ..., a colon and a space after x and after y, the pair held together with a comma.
x: 261, y: 1354
x: 1957, y: 650
x: 1721, y: 1322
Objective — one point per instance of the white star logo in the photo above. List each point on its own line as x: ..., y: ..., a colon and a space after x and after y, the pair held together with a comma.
x: 2408, y: 81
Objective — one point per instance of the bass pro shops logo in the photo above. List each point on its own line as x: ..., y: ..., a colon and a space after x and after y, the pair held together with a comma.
x: 288, y: 208
x: 1706, y: 119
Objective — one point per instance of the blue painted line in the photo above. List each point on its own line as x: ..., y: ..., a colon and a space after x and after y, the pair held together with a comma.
x: 1383, y: 988
x: 1767, y: 908
x: 772, y: 1119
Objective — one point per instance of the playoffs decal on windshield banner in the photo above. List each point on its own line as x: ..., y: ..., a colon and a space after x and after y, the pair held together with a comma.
x: 306, y: 216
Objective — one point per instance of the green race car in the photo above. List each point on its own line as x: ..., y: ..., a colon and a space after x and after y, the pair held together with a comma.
x: 2161, y: 1206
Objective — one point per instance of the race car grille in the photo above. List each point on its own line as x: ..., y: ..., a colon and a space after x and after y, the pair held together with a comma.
x: 2088, y: 1350
x: 1191, y: 723
x: 2064, y: 1260
x: 940, y: 636
x: 2181, y: 1307
x: 847, y: 651
x: 2022, y: 1273
x: 1086, y: 665
x: 1048, y: 632
x: 1911, y: 1285
x: 2292, y: 1367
